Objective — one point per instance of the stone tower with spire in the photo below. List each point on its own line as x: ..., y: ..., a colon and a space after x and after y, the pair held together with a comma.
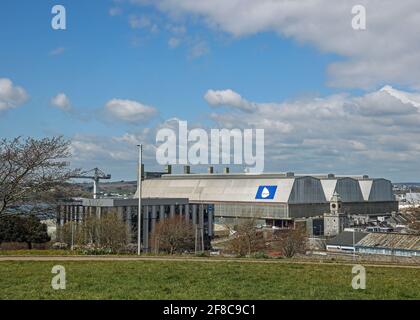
x: 335, y: 203
x: 334, y: 221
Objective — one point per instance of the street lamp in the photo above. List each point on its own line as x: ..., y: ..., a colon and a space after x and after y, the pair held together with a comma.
x: 139, y: 215
x: 354, y: 244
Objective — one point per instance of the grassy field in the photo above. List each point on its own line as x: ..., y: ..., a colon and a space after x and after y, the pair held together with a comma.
x: 202, y: 280
x: 35, y: 252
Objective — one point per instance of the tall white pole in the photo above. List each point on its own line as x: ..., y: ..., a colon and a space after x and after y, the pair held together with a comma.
x: 354, y: 245
x: 139, y: 215
x: 95, y: 191
x: 72, y: 235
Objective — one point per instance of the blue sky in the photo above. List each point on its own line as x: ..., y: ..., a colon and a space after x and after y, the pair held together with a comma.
x: 167, y: 56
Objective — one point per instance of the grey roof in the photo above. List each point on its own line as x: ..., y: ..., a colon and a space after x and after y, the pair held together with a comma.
x: 345, y: 238
x: 115, y: 202
x: 391, y: 241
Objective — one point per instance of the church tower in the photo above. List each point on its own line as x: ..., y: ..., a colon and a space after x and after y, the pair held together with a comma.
x: 335, y: 203
x: 335, y: 220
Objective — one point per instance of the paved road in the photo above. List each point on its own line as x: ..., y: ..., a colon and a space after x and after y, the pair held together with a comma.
x: 190, y: 259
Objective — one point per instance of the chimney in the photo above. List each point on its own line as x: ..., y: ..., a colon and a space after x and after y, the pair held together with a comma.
x: 187, y: 169
x: 168, y: 169
x: 210, y: 170
x: 226, y: 170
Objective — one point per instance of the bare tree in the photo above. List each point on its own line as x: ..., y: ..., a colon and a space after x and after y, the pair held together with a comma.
x: 32, y: 173
x: 247, y: 239
x: 290, y: 241
x: 112, y: 231
x: 173, y: 235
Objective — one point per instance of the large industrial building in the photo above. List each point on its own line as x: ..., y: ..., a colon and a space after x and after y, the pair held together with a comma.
x: 277, y: 198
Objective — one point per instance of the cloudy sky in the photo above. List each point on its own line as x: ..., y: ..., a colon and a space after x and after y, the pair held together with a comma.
x: 330, y: 98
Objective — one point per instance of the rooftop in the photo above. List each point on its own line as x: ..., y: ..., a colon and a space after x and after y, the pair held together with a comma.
x: 267, y: 175
x: 391, y: 240
x: 345, y: 238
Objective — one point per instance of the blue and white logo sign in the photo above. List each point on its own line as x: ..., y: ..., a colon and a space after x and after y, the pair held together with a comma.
x: 266, y: 192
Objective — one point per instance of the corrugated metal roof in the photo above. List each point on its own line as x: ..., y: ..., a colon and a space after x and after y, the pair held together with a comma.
x: 345, y: 238
x: 223, y: 190
x: 274, y: 175
x: 391, y: 241
x: 381, y: 190
x: 243, y: 187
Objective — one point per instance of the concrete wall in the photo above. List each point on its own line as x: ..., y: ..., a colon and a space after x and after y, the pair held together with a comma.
x: 370, y: 207
x: 251, y: 210
x: 307, y: 210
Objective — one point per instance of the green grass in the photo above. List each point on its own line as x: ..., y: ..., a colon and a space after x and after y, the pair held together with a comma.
x: 202, y: 280
x: 36, y: 252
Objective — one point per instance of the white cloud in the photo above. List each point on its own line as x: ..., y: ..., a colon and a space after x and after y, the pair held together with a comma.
x: 129, y: 111
x: 11, y: 96
x: 174, y: 42
x: 177, y: 29
x: 62, y: 102
x: 139, y: 22
x: 375, y: 133
x: 57, y: 51
x: 143, y: 22
x: 199, y: 49
x: 228, y: 98
x: 115, y: 154
x: 115, y: 11
x: 388, y: 51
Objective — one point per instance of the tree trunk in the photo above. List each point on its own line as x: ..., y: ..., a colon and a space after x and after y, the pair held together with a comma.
x: 29, y: 245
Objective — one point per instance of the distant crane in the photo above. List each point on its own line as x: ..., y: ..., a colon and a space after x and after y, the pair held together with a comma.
x: 94, y: 174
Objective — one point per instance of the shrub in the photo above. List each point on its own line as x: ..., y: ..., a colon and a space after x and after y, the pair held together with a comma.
x: 59, y: 246
x: 260, y: 255
x: 18, y: 228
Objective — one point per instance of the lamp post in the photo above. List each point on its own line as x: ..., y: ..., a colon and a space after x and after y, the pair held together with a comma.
x: 72, y: 235
x: 354, y: 245
x: 139, y: 215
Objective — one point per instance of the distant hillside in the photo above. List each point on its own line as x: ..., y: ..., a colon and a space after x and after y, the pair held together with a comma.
x: 115, y: 187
